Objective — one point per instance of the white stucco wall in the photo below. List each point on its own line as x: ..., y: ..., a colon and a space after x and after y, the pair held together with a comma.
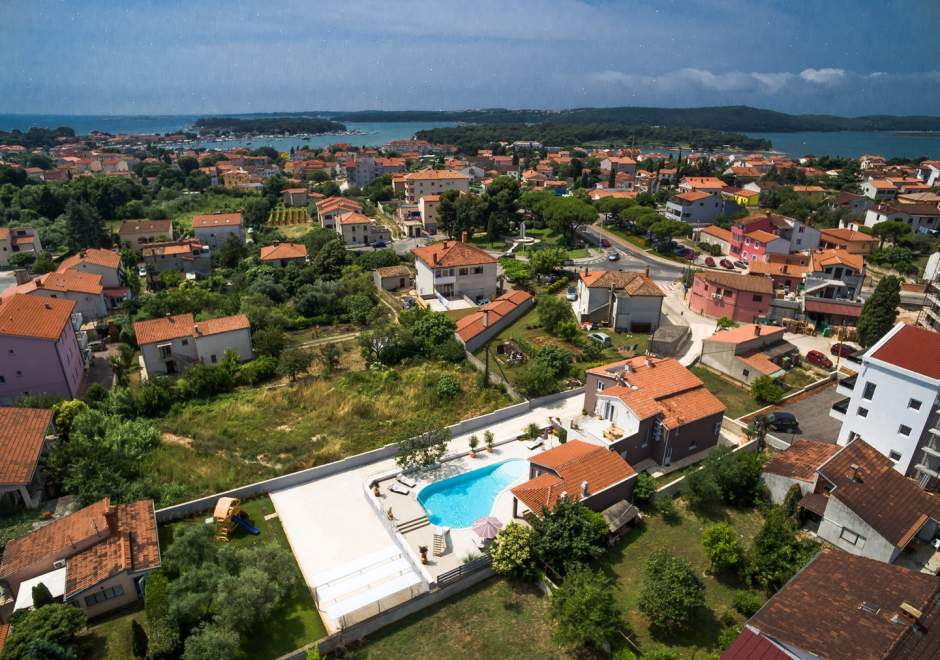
x: 236, y: 340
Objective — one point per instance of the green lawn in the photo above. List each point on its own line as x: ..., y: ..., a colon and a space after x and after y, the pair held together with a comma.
x: 495, y: 619
x: 683, y: 538
x: 258, y: 433
x: 15, y: 521
x: 798, y: 378
x: 293, y: 625
x: 184, y: 208
x: 737, y: 399
x: 547, y: 239
x: 527, y: 331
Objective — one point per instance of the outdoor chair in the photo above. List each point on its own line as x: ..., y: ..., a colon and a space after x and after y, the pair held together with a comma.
x: 406, y: 481
x: 401, y: 490
x: 535, y: 444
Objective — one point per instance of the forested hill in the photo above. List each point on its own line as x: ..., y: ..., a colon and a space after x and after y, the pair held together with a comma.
x: 721, y: 118
x: 284, y: 125
x: 471, y: 137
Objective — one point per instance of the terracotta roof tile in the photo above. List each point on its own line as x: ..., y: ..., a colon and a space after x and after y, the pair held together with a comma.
x: 471, y: 325
x: 216, y: 220
x: 762, y: 236
x: 184, y: 325
x: 748, y: 283
x: 801, y: 459
x: 822, y: 258
x: 760, y: 362
x: 133, y: 227
x: 914, y: 349
x: 22, y: 434
x: 354, y: 218
x: 446, y: 254
x: 96, y: 256
x: 717, y: 232
x: 847, y: 235
x: 746, y: 332
x: 635, y: 284
x: 35, y: 316
x: 429, y: 175
x: 283, y: 251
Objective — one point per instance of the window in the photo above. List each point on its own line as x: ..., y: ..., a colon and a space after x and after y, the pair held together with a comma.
x: 166, y: 350
x: 3, y: 379
x: 745, y: 372
x: 19, y: 373
x: 862, y: 412
x: 693, y: 445
x: 869, y: 392
x: 758, y: 298
x: 10, y: 351
x: 185, y: 342
x: 895, y: 456
x: 849, y: 536
x: 103, y: 595
x: 904, y: 430
x: 913, y: 404
x: 462, y: 271
x: 600, y: 386
x: 717, y: 428
x: 477, y: 270
x: 214, y: 358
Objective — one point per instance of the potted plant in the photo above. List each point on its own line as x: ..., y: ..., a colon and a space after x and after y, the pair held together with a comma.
x: 488, y: 438
x: 532, y: 431
x: 423, y: 549
x: 474, y: 442
x: 562, y: 434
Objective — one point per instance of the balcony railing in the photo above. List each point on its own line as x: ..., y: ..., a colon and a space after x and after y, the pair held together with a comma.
x: 841, y: 406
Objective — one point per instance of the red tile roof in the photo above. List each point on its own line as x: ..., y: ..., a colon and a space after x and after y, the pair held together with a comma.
x: 216, y: 220
x: 354, y: 218
x: 749, y: 646
x: 446, y: 254
x: 40, y: 317
x: 762, y: 236
x: 914, y: 349
x: 330, y: 203
x: 748, y: 283
x: 826, y: 307
x: 759, y: 361
x: 718, y: 232
x: 820, y: 610
x: 746, y: 332
x: 183, y: 325
x: 692, y: 196
x: 283, y: 251
x: 428, y: 175
x: 822, y: 258
x: 574, y: 462
x: 96, y: 256
x: 801, y: 459
x: 133, y: 227
x: 847, y: 235
x: 471, y: 325
x: 635, y: 284
x: 22, y: 434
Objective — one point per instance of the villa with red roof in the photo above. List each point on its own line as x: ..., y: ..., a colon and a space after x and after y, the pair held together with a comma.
x: 742, y: 298
x: 43, y: 350
x: 358, y: 230
x: 85, y: 289
x: 137, y: 233
x: 624, y: 300
x: 106, y: 263
x: 650, y: 409
x: 455, y: 269
x: 694, y: 206
x: 281, y: 254
x: 216, y: 228
x: 892, y: 401
x: 170, y: 344
x: 578, y: 470
x: 330, y: 209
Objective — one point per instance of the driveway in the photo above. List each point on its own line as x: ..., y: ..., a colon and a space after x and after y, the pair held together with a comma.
x: 813, y: 415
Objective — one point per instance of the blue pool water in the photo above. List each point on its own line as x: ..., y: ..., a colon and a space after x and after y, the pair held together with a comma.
x: 459, y: 501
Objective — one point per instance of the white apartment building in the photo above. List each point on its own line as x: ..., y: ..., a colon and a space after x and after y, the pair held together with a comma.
x: 892, y: 403
x: 433, y: 182
x: 454, y: 269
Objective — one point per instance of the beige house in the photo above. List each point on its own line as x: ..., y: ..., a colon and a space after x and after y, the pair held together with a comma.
x: 393, y: 278
x: 17, y: 239
x: 94, y: 558
x: 281, y: 254
x: 216, y: 228
x: 106, y: 263
x: 433, y: 182
x: 136, y: 233
x: 358, y: 230
x: 84, y: 289
x: 169, y: 345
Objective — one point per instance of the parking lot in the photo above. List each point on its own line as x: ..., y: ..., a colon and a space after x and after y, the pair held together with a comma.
x: 812, y: 413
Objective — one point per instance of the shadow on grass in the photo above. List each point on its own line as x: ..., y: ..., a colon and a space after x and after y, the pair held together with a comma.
x: 703, y: 631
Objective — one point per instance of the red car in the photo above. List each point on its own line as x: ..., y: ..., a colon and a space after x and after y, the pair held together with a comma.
x: 726, y: 263
x: 710, y: 262
x: 820, y: 360
x: 842, y: 350
x: 605, y: 242
x: 690, y: 255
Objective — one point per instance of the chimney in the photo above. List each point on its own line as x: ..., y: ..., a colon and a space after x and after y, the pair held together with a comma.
x: 647, y: 271
x: 784, y: 268
x: 563, y: 495
x: 584, y: 489
x: 486, y: 318
x: 911, y: 613
x: 463, y: 237
x: 21, y: 276
x: 648, y: 362
x: 856, y: 473
x: 585, y: 270
x: 756, y: 330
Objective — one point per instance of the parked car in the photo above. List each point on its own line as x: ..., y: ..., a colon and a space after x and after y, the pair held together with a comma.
x: 710, y: 262
x: 601, y: 339
x: 613, y: 255
x: 820, y: 360
x: 378, y: 245
x: 690, y: 255
x: 740, y: 264
x: 571, y: 294
x: 726, y: 263
x: 782, y: 421
x: 842, y: 350
x: 142, y: 271
x: 605, y: 242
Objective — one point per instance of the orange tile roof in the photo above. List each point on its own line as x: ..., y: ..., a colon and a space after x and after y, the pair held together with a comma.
x: 575, y: 462
x: 96, y: 256
x: 635, y: 284
x: 170, y: 249
x: 662, y: 387
x: 452, y: 253
x: 216, y: 220
x: 749, y: 283
x: 847, y: 235
x: 718, y: 232
x: 22, y: 434
x: 283, y: 251
x: 132, y: 227
x: 39, y: 317
x: 471, y: 325
x: 430, y: 175
x: 762, y: 236
x: 777, y: 268
x: 745, y: 332
x: 801, y: 459
x: 914, y: 349
x: 760, y: 362
x: 703, y: 182
x: 326, y: 205
x: 183, y: 325
x: 354, y: 218
x: 692, y: 196
x: 822, y: 258
x: 70, y: 280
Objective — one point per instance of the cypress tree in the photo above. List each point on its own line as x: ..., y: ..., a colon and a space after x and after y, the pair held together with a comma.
x: 880, y: 311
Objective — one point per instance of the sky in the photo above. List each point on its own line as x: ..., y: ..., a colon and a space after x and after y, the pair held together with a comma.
x: 199, y: 57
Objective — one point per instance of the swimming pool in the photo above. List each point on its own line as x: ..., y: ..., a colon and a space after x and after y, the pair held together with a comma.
x: 458, y: 501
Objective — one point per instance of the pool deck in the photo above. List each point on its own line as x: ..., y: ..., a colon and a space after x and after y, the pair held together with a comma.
x: 331, y: 522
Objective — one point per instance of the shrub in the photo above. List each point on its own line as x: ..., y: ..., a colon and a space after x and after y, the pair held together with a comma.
x: 562, y: 434
x: 552, y: 312
x: 585, y: 610
x: 488, y: 438
x: 511, y: 552
x: 447, y: 387
x: 569, y: 532
x: 765, y: 390
x: 644, y: 488
x: 56, y: 623
x: 536, y: 379
x: 553, y: 357
x: 746, y: 603
x: 473, y: 442
x: 727, y: 636
x: 138, y: 640
x: 672, y: 591
x: 256, y: 371
x: 776, y: 553
x: 722, y: 546
x: 449, y: 350
x: 666, y: 507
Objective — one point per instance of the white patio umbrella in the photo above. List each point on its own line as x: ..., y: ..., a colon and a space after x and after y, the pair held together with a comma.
x: 487, y: 527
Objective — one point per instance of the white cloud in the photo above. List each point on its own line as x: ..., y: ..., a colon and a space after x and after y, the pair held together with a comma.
x: 822, y: 76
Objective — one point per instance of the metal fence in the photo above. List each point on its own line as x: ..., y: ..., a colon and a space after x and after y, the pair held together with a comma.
x: 462, y: 571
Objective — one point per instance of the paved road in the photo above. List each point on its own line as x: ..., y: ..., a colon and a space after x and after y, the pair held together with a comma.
x: 632, y: 257
x: 813, y: 416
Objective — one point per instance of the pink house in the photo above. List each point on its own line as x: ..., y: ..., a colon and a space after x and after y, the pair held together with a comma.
x: 39, y: 348
x: 757, y: 235
x: 741, y: 298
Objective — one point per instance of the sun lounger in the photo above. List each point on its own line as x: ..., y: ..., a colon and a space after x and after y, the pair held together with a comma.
x: 401, y: 490
x: 535, y: 444
x: 408, y: 482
